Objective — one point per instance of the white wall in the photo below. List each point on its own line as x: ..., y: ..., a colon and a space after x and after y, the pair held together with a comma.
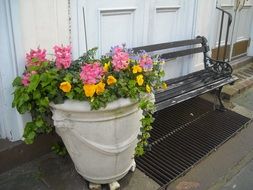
x: 25, y: 24
x: 44, y: 23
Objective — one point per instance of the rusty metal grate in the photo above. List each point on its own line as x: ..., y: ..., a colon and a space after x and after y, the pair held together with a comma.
x: 182, y: 135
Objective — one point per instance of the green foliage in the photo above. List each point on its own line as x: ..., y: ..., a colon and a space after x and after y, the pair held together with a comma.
x: 147, y: 105
x: 59, y: 149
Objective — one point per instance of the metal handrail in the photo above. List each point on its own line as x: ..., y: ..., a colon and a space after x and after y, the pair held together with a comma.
x: 221, y: 31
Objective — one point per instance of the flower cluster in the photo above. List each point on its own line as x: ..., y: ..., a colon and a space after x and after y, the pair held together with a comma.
x: 146, y: 62
x: 63, y: 56
x: 119, y: 74
x: 35, y: 57
x: 120, y: 59
x: 91, y: 73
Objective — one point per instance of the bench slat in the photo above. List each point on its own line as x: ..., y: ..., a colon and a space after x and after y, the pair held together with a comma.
x: 175, y: 87
x: 188, y: 76
x: 181, y: 53
x: 193, y: 93
x: 157, y: 47
x: 188, y: 85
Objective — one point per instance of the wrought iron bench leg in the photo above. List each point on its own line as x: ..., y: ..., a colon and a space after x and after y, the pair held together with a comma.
x: 221, y: 105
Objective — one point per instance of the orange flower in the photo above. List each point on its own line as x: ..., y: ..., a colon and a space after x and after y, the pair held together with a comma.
x: 148, y: 89
x: 136, y: 69
x: 106, y: 66
x: 89, y: 89
x: 100, y: 87
x: 139, y: 80
x: 111, y: 80
x: 65, y: 86
x: 164, y: 86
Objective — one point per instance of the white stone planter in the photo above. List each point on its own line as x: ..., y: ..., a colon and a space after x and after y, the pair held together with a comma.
x: 101, y: 143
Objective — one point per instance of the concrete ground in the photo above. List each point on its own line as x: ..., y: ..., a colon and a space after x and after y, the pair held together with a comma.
x: 53, y: 172
x: 229, y: 167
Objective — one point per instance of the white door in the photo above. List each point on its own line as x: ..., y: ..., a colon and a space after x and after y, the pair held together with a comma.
x: 105, y: 23
x: 10, y: 121
x: 242, y: 14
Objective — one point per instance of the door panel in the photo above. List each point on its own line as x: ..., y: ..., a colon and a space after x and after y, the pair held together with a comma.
x: 136, y: 22
x: 171, y: 20
x: 110, y: 22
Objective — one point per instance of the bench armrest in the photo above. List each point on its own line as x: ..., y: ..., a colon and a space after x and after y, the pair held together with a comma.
x: 220, y: 67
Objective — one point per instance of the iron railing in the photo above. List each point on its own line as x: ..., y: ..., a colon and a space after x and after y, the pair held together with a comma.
x: 229, y: 21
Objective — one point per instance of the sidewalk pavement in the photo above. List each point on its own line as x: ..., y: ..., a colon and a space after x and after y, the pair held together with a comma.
x: 243, y: 180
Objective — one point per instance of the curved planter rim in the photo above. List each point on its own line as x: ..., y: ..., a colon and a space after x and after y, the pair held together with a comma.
x: 83, y: 106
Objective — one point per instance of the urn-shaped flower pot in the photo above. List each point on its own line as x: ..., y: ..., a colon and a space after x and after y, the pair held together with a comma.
x: 102, y: 142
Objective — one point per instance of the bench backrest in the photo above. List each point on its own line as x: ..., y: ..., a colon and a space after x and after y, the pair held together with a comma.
x: 187, y: 47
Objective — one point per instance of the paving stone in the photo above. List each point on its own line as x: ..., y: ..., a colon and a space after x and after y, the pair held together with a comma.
x: 228, y: 92
x: 245, y: 81
x: 248, y: 83
x: 57, y: 173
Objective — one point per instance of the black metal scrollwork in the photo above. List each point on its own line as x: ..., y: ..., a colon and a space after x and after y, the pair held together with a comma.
x: 220, y: 67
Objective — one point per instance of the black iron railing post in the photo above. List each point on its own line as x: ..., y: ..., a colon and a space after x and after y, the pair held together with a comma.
x: 221, y: 31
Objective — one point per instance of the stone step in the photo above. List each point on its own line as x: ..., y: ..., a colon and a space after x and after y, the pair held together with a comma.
x: 245, y: 81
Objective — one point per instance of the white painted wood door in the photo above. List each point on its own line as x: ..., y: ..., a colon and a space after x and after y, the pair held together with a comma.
x: 241, y: 24
x: 11, y: 124
x: 105, y: 23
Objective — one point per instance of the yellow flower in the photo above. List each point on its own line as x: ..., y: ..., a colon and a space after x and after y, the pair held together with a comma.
x: 137, y: 69
x: 106, y: 66
x: 164, y: 86
x: 111, y: 80
x: 100, y: 88
x: 148, y: 89
x: 65, y: 86
x: 89, y: 89
x: 139, y: 80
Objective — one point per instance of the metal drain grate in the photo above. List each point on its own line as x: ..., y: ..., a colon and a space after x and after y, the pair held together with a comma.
x: 182, y: 135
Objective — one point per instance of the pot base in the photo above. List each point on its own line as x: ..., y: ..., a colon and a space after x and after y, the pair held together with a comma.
x: 109, y: 179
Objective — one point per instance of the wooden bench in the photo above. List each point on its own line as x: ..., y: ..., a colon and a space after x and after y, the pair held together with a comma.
x: 214, y: 76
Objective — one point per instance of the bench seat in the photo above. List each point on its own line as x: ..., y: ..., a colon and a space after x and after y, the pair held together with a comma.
x: 190, y: 86
x: 213, y: 77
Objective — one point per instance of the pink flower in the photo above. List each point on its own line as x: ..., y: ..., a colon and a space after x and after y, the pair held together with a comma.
x: 36, y: 57
x: 91, y: 73
x: 146, y: 62
x: 26, y: 78
x: 120, y: 59
x: 63, y: 56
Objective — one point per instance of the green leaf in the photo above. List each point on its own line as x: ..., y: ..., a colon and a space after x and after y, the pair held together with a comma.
x: 36, y: 95
x: 33, y: 68
x: 17, y: 81
x: 70, y: 94
x: 44, y: 102
x: 24, y: 108
x: 39, y: 123
x: 45, y: 64
x: 34, y: 81
x: 58, y: 99
x: 68, y: 77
